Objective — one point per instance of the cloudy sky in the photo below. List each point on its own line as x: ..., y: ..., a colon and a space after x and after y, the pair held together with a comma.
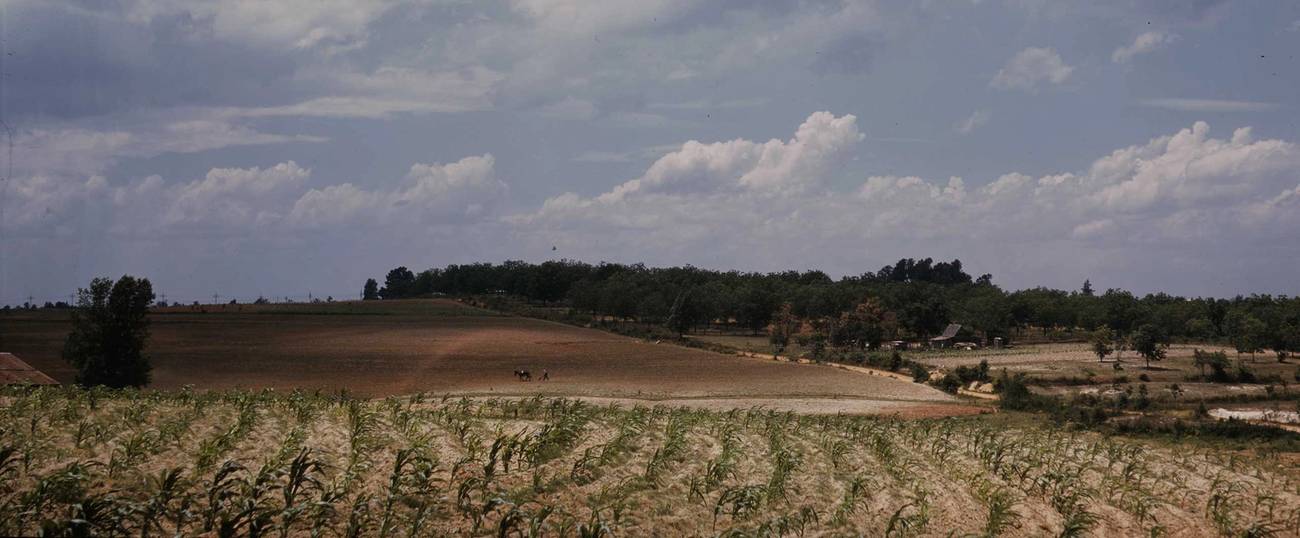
x: 245, y: 147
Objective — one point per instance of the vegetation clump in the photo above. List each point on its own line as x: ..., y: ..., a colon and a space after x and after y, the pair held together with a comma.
x: 126, y: 462
x: 110, y: 327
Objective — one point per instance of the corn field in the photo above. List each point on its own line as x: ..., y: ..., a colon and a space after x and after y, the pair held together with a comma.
x: 76, y: 463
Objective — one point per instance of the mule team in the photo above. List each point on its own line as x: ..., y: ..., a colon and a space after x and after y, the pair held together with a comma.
x: 525, y: 375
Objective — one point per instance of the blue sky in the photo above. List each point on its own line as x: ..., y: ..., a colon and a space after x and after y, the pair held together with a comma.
x: 247, y: 148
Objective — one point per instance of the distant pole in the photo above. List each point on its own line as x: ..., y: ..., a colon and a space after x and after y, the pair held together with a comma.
x: 216, y: 299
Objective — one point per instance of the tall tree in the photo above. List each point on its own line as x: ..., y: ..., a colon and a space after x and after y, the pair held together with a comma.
x: 866, y: 325
x: 110, y: 328
x: 1150, y: 343
x: 784, y: 326
x: 1086, y: 290
x: 1103, y: 341
x: 371, y: 290
x: 685, y: 313
x: 757, y: 305
x: 398, y: 283
x: 1248, y: 335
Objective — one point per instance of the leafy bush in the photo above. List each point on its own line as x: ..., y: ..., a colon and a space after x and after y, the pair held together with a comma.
x: 919, y: 373
x: 1015, y: 394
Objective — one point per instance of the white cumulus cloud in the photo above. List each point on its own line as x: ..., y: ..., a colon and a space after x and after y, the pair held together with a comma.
x: 974, y: 121
x: 1030, y: 68
x: 457, y: 192
x: 1144, y: 43
x: 1187, y: 189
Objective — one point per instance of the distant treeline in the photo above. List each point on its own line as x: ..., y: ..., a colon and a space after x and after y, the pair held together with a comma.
x: 909, y: 299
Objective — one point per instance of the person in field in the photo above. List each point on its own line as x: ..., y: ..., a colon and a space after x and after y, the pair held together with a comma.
x: 545, y: 375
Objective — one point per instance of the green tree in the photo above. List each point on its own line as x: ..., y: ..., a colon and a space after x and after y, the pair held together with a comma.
x: 110, y: 327
x: 989, y: 313
x: 371, y: 290
x: 684, y: 314
x: 1216, y: 360
x: 1150, y: 343
x: 398, y: 283
x: 1248, y: 334
x: 866, y: 325
x: 1200, y: 328
x: 1122, y: 311
x: 1103, y: 343
x: 755, y: 309
x: 1278, y: 336
x: 784, y: 326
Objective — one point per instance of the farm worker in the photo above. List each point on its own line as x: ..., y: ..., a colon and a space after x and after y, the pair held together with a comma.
x: 545, y: 375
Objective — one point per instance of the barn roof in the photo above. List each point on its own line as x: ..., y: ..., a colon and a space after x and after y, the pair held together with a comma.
x: 948, y: 332
x: 13, y: 371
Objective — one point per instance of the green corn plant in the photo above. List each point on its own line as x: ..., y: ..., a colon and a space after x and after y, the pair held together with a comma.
x: 169, y: 501
x: 911, y: 518
x: 300, y: 478
x: 1077, y: 523
x: 595, y: 527
x: 65, y: 486
x: 221, y: 489
x: 1001, y: 503
x: 784, y: 463
x: 133, y: 451
x: 585, y: 467
x: 857, y: 491
x: 96, y: 515
x: 739, y: 502
x: 359, y: 518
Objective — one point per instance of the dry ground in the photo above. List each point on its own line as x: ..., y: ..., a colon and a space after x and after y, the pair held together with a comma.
x: 440, y: 346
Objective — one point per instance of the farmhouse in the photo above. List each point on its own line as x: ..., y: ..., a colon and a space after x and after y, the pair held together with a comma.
x: 13, y: 371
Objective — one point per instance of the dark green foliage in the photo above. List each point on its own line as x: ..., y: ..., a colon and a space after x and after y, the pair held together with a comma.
x: 919, y: 373
x: 1231, y: 429
x: 1248, y: 333
x: 1082, y: 410
x: 1014, y: 393
x: 967, y: 374
x: 949, y: 383
x: 109, y: 329
x: 686, y: 313
x: 1143, y: 400
x: 964, y: 375
x: 400, y: 283
x: 895, y: 360
x: 917, y: 299
x: 370, y: 291
x: 1217, y: 361
x: 1150, y: 342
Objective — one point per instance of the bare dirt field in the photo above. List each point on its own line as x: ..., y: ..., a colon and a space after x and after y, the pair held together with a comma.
x: 440, y: 346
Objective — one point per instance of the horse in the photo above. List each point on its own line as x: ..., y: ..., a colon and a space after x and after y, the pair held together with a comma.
x: 523, y: 375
